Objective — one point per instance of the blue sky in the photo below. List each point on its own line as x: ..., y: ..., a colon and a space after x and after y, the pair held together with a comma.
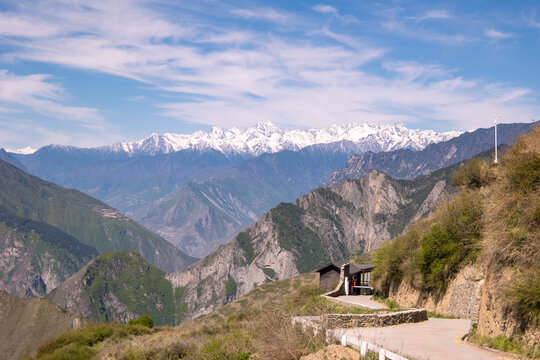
x: 90, y: 73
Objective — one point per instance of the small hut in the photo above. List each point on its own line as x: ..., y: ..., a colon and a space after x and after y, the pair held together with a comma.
x: 329, y: 275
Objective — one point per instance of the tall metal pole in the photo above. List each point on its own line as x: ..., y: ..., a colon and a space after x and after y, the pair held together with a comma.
x: 496, y: 118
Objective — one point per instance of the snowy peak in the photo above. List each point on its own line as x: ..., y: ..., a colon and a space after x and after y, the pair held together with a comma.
x: 266, y: 137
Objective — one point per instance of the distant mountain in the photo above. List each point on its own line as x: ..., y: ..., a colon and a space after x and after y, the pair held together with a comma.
x: 25, y: 324
x: 201, y: 216
x: 84, y: 218
x: 121, y: 181
x: 407, y: 164
x: 119, y: 286
x: 327, y: 224
x: 268, y: 138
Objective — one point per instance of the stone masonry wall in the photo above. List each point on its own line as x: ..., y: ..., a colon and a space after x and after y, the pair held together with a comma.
x: 374, y: 320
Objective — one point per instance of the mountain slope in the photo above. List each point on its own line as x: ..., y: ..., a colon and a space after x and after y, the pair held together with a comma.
x: 201, y: 216
x: 36, y: 257
x: 327, y: 224
x: 119, y: 286
x: 407, y: 164
x: 121, y: 181
x: 27, y: 323
x: 88, y: 220
x: 5, y: 156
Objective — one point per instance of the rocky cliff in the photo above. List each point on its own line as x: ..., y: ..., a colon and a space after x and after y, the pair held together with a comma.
x: 36, y: 257
x: 327, y: 224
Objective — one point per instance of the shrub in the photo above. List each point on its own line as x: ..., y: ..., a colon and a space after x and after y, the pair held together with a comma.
x: 451, y: 240
x: 525, y: 291
x: 524, y: 172
x: 144, y: 320
x: 432, y: 249
x: 475, y: 174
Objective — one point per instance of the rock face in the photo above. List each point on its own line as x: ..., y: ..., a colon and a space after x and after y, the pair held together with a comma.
x: 462, y: 298
x: 407, y: 164
x: 27, y: 323
x: 36, y: 257
x: 327, y: 224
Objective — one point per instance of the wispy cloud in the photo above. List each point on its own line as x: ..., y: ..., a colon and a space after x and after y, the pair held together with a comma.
x: 432, y: 15
x: 218, y: 74
x: 325, y: 9
x: 37, y: 93
x: 328, y: 9
x: 267, y: 14
x: 497, y: 35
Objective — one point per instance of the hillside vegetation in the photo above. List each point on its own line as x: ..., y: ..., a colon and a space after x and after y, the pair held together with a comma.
x: 86, y: 219
x: 119, y: 286
x: 494, y: 223
x: 257, y: 326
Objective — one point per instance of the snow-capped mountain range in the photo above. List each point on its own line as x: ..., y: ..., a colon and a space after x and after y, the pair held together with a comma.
x: 268, y: 138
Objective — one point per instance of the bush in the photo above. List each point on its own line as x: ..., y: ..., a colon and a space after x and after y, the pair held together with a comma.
x: 475, y: 174
x: 525, y: 291
x: 524, y: 172
x: 451, y: 240
x: 144, y: 320
x: 432, y: 249
x: 78, y: 341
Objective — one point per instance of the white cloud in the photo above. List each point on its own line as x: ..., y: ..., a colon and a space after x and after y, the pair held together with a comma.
x: 327, y: 9
x: 433, y: 15
x: 497, y: 35
x: 37, y: 93
x: 220, y: 75
x: 267, y: 14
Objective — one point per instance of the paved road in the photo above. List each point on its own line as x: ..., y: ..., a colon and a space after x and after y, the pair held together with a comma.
x: 434, y: 339
x: 364, y: 301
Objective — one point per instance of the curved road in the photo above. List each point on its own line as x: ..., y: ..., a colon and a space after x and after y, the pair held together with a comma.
x: 434, y: 339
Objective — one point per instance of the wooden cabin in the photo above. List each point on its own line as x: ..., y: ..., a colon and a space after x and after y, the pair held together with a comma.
x: 329, y: 276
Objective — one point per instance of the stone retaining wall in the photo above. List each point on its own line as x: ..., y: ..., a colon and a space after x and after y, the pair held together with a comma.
x: 374, y: 320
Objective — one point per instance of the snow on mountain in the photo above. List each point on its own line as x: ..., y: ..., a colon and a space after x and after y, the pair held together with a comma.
x: 26, y: 150
x: 268, y: 138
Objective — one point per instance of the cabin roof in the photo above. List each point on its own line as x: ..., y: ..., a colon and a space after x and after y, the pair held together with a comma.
x: 336, y: 265
x: 356, y: 268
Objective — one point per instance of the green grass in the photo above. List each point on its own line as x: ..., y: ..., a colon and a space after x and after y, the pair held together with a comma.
x: 77, y: 344
x: 432, y: 314
x: 506, y: 344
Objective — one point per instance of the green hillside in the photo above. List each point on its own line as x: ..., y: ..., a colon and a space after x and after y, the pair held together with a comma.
x: 88, y: 220
x: 119, y: 286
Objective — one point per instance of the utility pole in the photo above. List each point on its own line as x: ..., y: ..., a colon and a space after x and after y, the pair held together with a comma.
x: 498, y: 117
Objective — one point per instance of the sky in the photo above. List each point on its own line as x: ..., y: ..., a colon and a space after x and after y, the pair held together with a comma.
x: 89, y: 73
